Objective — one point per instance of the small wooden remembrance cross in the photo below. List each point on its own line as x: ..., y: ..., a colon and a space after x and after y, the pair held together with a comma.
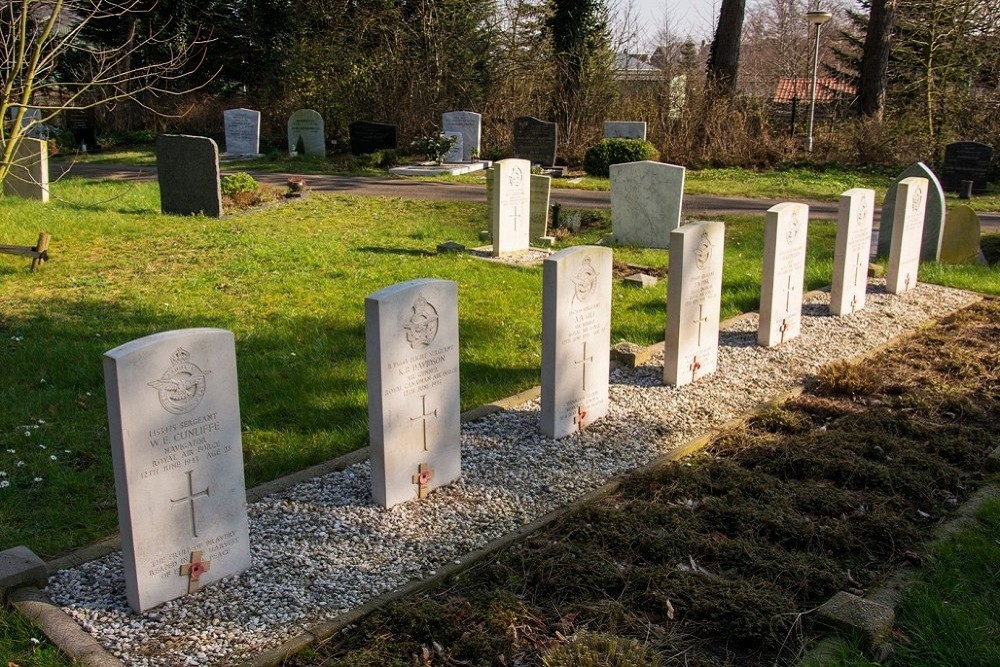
x: 580, y: 419
x: 422, y: 479
x: 694, y: 368
x: 785, y: 326
x: 194, y: 570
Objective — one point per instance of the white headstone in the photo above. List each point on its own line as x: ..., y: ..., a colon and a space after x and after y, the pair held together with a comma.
x: 785, y: 231
x: 307, y: 125
x: 624, y: 129
x: 694, y: 301
x: 935, y: 210
x: 907, y: 230
x: 576, y: 339
x: 850, y: 259
x: 511, y: 226
x: 174, y: 417
x: 541, y: 191
x: 455, y: 154
x: 470, y: 124
x: 645, y: 202
x: 242, y: 132
x: 411, y: 336
x: 28, y: 177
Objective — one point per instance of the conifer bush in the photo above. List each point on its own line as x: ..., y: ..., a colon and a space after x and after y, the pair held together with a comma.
x: 599, y: 157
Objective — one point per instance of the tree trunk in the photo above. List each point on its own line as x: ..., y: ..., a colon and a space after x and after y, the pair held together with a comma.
x: 724, y: 59
x: 875, y: 58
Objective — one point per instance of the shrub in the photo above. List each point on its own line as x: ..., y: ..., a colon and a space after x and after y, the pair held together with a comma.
x: 382, y: 159
x: 601, y: 156
x: 434, y: 146
x: 234, y: 184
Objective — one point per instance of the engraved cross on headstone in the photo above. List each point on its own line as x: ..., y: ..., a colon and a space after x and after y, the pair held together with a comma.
x: 702, y: 319
x: 516, y: 215
x: 585, y: 360
x: 788, y: 295
x: 422, y: 479
x: 194, y: 570
x: 857, y: 272
x: 424, y: 416
x: 906, y: 283
x: 854, y: 302
x: 190, y: 498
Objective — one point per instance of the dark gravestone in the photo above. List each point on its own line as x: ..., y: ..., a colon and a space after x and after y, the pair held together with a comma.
x: 188, y: 173
x: 368, y: 137
x: 966, y: 161
x: 82, y: 123
x: 535, y: 140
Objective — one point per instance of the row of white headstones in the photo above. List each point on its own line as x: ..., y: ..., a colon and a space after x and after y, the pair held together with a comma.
x: 174, y: 409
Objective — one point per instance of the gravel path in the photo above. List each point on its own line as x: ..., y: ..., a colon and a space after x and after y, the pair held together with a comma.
x: 321, y: 548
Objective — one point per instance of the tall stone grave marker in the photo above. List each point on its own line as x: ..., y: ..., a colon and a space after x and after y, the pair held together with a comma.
x: 470, y: 124
x: 694, y: 300
x: 962, y: 232
x: 511, y: 227
x: 930, y: 244
x: 368, y: 137
x: 28, y: 177
x: 645, y: 202
x: 307, y: 125
x: 411, y: 338
x: 850, y: 259
x: 966, y: 161
x: 174, y: 417
x: 785, y: 231
x: 242, y: 132
x: 187, y: 169
x: 907, y: 229
x: 576, y: 339
x: 624, y: 129
x: 535, y: 140
x: 541, y: 191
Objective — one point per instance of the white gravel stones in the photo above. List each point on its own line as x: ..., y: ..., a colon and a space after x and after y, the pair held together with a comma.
x: 320, y: 548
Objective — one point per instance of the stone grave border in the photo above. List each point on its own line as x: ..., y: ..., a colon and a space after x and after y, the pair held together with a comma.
x: 70, y: 638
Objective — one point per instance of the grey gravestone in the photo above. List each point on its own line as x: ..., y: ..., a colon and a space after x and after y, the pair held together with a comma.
x: 646, y: 202
x: 510, y: 208
x: 28, y: 177
x: 785, y: 231
x: 411, y: 337
x: 907, y: 230
x: 174, y: 417
x: 541, y: 191
x: 470, y: 124
x: 242, y: 132
x: 187, y: 169
x: 576, y: 339
x: 930, y: 244
x: 367, y: 137
x: 966, y: 161
x: 962, y: 231
x: 624, y: 129
x: 535, y: 140
x: 307, y: 125
x: 694, y: 301
x: 83, y: 124
x: 850, y: 259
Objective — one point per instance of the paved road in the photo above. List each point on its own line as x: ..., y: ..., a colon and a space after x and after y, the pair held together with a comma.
x: 412, y: 189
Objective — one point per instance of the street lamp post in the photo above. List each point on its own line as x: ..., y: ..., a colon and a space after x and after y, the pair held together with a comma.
x: 816, y: 18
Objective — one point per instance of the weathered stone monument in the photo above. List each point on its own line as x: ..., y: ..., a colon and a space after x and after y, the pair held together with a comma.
x: 850, y: 259
x: 306, y: 125
x: 411, y: 338
x: 535, y: 140
x: 966, y: 161
x: 541, y: 191
x: 187, y: 169
x: 907, y: 229
x: 510, y: 210
x: 930, y: 244
x: 576, y: 339
x: 624, y: 129
x: 694, y: 301
x: 469, y: 124
x: 785, y: 231
x: 962, y: 231
x: 242, y: 132
x: 28, y: 177
x: 367, y: 137
x: 645, y: 202
x: 174, y: 418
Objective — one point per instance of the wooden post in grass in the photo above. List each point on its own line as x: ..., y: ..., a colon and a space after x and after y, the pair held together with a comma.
x: 38, y: 252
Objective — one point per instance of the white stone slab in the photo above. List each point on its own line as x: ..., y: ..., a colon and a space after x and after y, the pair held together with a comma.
x: 907, y: 230
x: 470, y: 124
x: 456, y: 152
x: 28, y: 177
x: 411, y: 335
x: 935, y: 210
x: 174, y: 417
x: 785, y: 230
x: 242, y: 132
x: 576, y: 339
x: 308, y: 125
x: 624, y: 129
x: 511, y: 208
x: 541, y: 195
x: 645, y: 202
x: 853, y: 248
x: 694, y: 301
x: 438, y: 169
